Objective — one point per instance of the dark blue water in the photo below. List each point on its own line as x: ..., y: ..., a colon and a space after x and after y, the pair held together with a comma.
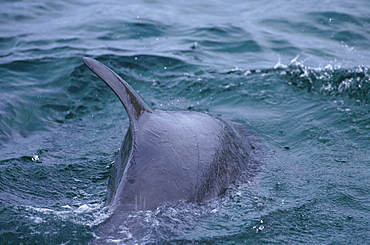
x: 296, y: 72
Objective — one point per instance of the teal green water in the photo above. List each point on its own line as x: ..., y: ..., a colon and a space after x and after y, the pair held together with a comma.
x: 296, y: 72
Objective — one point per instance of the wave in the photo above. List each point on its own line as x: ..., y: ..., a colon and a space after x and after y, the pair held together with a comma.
x: 351, y: 83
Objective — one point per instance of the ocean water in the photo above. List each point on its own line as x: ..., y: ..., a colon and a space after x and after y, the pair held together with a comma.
x: 296, y: 72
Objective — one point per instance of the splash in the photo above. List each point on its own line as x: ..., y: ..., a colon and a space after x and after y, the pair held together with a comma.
x: 329, y: 80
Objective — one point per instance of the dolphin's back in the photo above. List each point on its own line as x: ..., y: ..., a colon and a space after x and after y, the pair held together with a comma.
x: 179, y: 155
x: 169, y: 155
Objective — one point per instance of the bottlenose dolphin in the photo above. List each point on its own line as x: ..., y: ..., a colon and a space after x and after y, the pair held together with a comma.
x: 168, y: 156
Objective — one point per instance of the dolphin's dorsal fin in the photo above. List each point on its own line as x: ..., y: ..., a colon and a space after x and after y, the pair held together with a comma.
x: 133, y: 103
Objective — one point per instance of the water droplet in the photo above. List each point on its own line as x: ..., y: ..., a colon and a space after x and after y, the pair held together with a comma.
x: 35, y: 158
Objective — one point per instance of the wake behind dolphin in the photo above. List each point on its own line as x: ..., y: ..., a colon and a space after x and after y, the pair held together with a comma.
x: 169, y: 156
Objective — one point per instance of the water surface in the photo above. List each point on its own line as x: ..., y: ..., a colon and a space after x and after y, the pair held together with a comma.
x: 297, y: 73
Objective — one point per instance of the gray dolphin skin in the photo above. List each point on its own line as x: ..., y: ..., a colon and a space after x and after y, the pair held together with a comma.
x: 169, y: 156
